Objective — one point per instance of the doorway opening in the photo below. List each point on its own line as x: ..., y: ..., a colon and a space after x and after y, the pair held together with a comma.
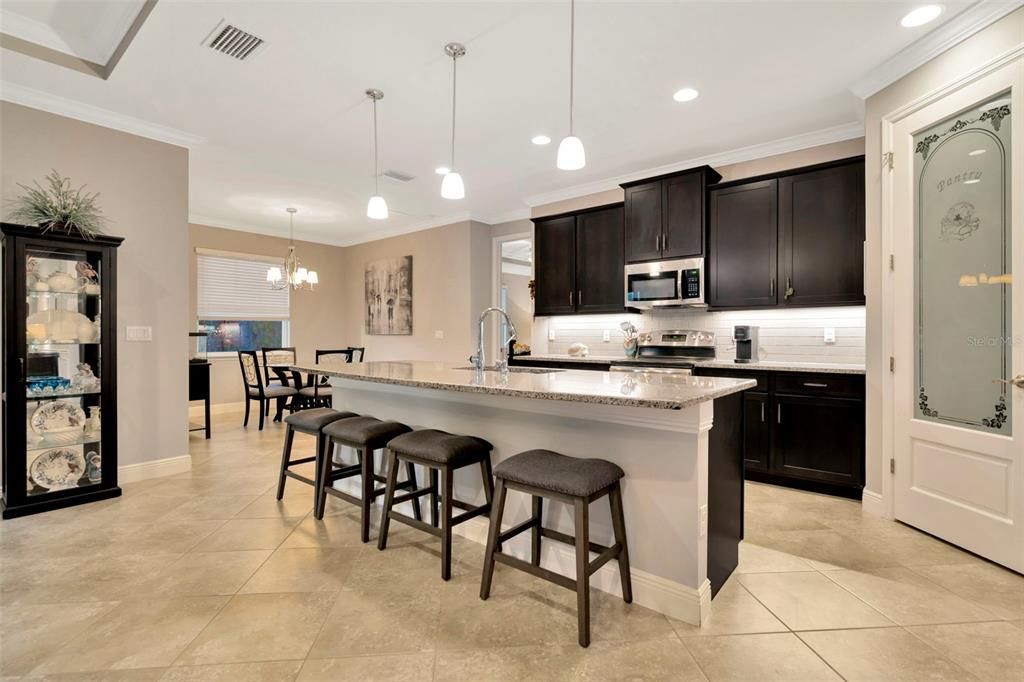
x: 512, y: 268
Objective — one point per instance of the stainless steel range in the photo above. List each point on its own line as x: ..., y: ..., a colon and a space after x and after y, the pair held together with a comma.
x: 672, y: 351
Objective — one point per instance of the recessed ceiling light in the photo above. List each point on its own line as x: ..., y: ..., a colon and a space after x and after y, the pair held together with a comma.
x: 920, y: 16
x: 977, y: 152
x: 540, y: 139
x: 442, y: 170
x: 685, y: 95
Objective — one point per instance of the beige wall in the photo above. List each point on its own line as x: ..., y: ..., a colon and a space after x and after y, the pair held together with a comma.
x: 736, y: 171
x: 317, y: 317
x: 144, y: 195
x: 1000, y: 37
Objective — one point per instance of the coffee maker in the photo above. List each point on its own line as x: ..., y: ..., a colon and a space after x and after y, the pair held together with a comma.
x: 745, y: 337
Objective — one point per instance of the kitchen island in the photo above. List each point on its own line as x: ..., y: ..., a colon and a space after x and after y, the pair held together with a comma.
x: 683, y: 490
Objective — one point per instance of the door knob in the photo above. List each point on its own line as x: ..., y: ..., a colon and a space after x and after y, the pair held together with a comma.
x: 1017, y: 381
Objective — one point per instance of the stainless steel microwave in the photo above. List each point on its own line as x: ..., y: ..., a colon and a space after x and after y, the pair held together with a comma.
x: 665, y: 283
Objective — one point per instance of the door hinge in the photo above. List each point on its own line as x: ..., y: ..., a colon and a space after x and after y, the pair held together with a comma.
x: 892, y: 466
x: 892, y: 261
x: 887, y: 160
x: 892, y: 363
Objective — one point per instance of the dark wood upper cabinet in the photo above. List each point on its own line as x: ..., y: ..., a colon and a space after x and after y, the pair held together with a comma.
x: 665, y: 216
x: 821, y: 236
x: 578, y: 262
x: 599, y: 261
x: 643, y: 222
x: 743, y: 237
x: 555, y: 266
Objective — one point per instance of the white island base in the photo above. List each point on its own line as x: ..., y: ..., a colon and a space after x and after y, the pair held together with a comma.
x: 664, y: 453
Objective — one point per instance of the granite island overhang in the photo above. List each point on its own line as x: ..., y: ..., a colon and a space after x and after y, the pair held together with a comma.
x: 678, y: 438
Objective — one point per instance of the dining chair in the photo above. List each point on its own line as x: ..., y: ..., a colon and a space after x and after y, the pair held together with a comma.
x: 276, y: 355
x: 361, y: 350
x: 320, y: 392
x: 256, y: 390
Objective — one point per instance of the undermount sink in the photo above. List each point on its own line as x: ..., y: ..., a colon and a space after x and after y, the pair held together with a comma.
x: 517, y: 370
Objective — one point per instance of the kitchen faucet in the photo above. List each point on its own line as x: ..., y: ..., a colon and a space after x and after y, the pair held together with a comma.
x: 478, y: 358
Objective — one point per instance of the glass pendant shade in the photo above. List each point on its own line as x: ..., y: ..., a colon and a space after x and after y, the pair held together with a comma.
x: 300, y: 275
x: 377, y: 208
x: 452, y: 187
x: 312, y: 277
x: 274, y: 275
x: 570, y: 154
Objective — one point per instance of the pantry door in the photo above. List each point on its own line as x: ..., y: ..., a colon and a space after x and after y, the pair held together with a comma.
x: 959, y: 317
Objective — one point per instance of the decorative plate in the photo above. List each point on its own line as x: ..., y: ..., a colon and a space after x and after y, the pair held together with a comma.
x: 58, y: 469
x: 55, y: 415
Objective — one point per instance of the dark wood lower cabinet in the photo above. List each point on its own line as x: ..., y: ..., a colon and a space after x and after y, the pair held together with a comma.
x: 756, y: 431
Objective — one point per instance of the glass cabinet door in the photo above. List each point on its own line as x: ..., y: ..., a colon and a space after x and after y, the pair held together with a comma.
x: 63, y: 368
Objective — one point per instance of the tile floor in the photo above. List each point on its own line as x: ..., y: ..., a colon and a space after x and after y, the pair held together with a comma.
x: 205, y: 576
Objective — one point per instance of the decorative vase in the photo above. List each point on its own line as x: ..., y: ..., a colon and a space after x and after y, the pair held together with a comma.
x: 87, y: 331
x: 631, y: 347
x: 93, y: 425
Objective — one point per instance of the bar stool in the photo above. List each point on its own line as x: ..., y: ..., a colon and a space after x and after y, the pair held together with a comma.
x: 311, y: 422
x: 577, y: 482
x: 442, y: 452
x: 365, y: 435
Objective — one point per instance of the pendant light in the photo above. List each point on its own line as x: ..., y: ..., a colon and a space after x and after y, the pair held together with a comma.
x: 570, y: 151
x: 451, y: 185
x: 294, y: 274
x: 376, y: 208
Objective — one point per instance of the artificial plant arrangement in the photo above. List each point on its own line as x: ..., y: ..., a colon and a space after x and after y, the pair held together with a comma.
x: 58, y: 206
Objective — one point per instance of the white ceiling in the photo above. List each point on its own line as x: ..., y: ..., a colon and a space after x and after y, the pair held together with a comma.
x: 291, y: 125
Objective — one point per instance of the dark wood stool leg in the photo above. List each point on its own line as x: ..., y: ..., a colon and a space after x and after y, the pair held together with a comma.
x: 447, y: 490
x: 619, y: 525
x: 497, y: 510
x: 248, y: 402
x: 286, y: 454
x: 389, y: 499
x: 323, y: 466
x: 433, y: 497
x: 366, y: 472
x: 582, y: 566
x: 538, y: 514
x: 410, y: 470
x: 488, y: 476
x: 262, y: 403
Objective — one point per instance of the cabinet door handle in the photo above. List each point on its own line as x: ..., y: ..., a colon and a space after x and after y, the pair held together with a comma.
x: 762, y: 413
x: 664, y: 242
x: 579, y: 297
x: 773, y: 286
x: 778, y: 414
x: 657, y: 242
x: 814, y: 384
x: 570, y: 298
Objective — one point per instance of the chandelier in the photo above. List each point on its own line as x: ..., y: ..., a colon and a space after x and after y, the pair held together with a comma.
x: 294, y: 274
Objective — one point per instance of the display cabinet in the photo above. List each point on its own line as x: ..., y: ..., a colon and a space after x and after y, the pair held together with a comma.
x: 59, y: 369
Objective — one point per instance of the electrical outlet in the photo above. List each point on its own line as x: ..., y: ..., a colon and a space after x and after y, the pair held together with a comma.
x: 438, y: 333
x: 551, y: 334
x: 607, y: 336
x: 703, y: 520
x: 830, y: 334
x: 138, y: 333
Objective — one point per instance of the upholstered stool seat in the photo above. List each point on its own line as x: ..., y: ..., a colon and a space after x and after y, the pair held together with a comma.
x: 441, y: 453
x: 310, y: 422
x: 441, y: 447
x: 365, y: 435
x: 552, y: 471
x: 577, y: 482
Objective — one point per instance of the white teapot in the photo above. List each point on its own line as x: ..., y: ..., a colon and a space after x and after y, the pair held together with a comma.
x: 62, y: 282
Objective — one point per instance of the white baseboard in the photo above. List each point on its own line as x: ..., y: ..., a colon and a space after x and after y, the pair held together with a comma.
x: 131, y: 473
x: 197, y: 409
x: 873, y: 503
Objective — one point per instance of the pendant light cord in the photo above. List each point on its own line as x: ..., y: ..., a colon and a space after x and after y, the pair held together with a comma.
x: 454, y: 86
x: 572, y: 54
x: 376, y: 164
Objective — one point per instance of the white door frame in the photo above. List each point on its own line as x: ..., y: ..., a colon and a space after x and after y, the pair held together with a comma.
x: 496, y: 243
x: 888, y: 220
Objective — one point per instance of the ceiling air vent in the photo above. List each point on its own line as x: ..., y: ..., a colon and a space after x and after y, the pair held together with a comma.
x: 233, y: 41
x: 398, y: 176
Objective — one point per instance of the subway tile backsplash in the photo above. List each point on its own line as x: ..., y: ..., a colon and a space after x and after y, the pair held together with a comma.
x: 795, y: 335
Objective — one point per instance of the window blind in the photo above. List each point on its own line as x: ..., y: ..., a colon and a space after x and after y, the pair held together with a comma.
x: 237, y: 289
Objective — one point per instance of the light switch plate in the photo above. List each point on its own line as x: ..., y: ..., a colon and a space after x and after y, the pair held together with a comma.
x: 703, y: 520
x: 551, y: 334
x: 438, y: 333
x: 607, y: 336
x: 830, y: 334
x: 138, y: 333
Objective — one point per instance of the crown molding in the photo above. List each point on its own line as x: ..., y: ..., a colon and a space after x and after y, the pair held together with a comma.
x: 846, y: 131
x: 62, y: 106
x: 973, y: 19
x: 507, y: 217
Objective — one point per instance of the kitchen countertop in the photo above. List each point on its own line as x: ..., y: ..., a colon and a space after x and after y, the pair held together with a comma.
x: 666, y: 392
x: 763, y: 366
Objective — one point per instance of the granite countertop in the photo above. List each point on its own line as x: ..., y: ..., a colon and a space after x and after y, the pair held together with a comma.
x: 666, y: 392
x: 763, y: 366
